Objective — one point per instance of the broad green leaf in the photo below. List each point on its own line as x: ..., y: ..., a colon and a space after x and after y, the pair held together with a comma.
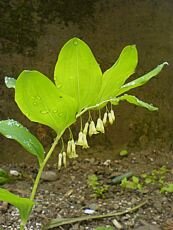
x: 40, y: 100
x: 134, y: 100
x: 24, y: 205
x: 14, y: 130
x: 115, y: 77
x: 10, y: 82
x: 78, y: 74
x: 141, y: 80
x: 4, y: 177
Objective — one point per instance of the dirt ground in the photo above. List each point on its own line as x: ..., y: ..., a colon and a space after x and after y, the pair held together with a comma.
x: 107, y: 28
x: 69, y: 194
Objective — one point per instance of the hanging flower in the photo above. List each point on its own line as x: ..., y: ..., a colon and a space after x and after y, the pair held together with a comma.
x: 85, y: 143
x: 100, y: 126
x: 64, y: 159
x: 59, y: 161
x: 73, y: 149
x: 80, y: 139
x: 69, y: 147
x: 92, y: 129
x: 105, y: 118
x: 110, y: 118
x: 113, y: 115
x: 85, y: 130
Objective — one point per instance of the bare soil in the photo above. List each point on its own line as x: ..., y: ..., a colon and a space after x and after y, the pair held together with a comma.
x: 69, y: 195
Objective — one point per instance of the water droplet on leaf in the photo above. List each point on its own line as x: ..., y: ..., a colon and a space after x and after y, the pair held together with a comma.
x: 75, y: 42
x: 59, y: 86
x: 44, y: 111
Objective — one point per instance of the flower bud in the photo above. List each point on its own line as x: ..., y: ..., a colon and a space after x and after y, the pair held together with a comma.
x: 100, y: 126
x: 85, y: 130
x: 92, y: 129
x: 105, y: 118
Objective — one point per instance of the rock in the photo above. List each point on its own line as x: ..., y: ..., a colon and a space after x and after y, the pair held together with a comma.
x: 49, y: 176
x: 117, y: 224
x: 3, y: 206
x: 148, y: 227
x: 14, y: 173
x: 93, y: 206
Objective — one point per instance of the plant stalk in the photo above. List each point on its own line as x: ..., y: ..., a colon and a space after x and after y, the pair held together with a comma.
x: 34, y: 189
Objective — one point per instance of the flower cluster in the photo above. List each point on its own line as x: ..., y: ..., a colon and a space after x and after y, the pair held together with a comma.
x: 89, y: 129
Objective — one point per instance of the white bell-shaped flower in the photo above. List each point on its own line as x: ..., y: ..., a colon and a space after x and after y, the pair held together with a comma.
x: 64, y: 159
x: 92, y: 129
x: 111, y: 121
x: 73, y: 147
x: 105, y: 117
x: 59, y: 161
x: 113, y: 115
x: 85, y: 130
x: 100, y: 126
x: 80, y: 139
x: 69, y: 147
x: 85, y: 143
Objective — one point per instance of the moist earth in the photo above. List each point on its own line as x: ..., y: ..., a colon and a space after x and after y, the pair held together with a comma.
x: 66, y: 192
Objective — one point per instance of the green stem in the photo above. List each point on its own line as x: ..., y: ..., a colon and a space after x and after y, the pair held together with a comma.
x: 22, y: 227
x: 59, y: 222
x: 95, y: 106
x: 34, y: 189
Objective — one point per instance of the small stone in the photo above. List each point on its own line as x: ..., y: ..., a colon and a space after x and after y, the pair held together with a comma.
x: 49, y: 176
x: 14, y: 173
x: 148, y: 227
x: 93, y: 206
x: 117, y: 224
x: 89, y: 211
x: 3, y: 206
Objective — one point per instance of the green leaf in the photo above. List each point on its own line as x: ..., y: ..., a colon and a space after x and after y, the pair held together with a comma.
x: 4, y: 177
x: 134, y: 100
x: 123, y: 152
x: 14, y: 130
x: 115, y: 77
x: 78, y: 74
x: 167, y: 188
x: 10, y: 82
x: 24, y: 205
x: 40, y: 100
x: 141, y: 80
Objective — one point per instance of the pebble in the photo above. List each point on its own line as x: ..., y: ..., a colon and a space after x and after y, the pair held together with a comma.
x: 117, y: 224
x: 3, y: 206
x: 49, y: 176
x: 148, y: 227
x: 14, y: 173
